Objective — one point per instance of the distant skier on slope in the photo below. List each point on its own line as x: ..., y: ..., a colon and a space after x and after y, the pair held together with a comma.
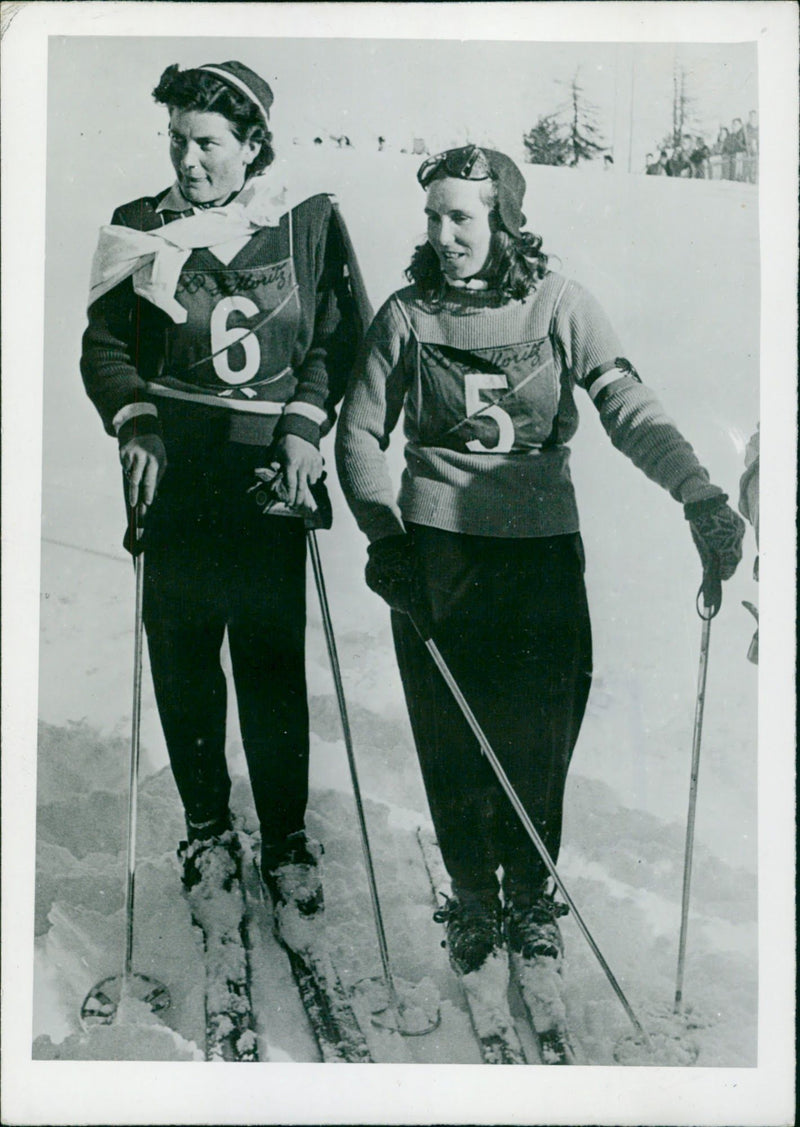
x: 483, y: 352
x: 221, y: 329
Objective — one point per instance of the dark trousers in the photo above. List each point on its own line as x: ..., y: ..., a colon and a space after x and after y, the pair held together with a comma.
x: 511, y: 620
x: 214, y: 563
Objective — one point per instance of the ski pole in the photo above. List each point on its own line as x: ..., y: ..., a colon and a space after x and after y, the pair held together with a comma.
x: 102, y: 1002
x: 523, y: 816
x: 711, y: 592
x: 133, y: 788
x: 397, y: 1004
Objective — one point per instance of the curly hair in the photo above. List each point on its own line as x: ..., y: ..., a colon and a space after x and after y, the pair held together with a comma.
x: 514, y: 268
x: 204, y: 92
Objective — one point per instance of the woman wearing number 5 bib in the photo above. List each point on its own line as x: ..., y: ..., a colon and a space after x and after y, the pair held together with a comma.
x: 486, y: 352
x: 221, y: 330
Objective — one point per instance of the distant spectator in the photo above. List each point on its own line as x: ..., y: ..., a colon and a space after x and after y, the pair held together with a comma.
x: 660, y: 167
x: 679, y: 164
x: 649, y: 164
x: 737, y: 147
x: 737, y: 140
x: 608, y: 162
x: 381, y: 144
x: 721, y: 159
x: 699, y: 157
x: 751, y: 133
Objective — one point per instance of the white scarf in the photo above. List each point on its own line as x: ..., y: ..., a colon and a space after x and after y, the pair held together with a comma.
x: 155, y: 258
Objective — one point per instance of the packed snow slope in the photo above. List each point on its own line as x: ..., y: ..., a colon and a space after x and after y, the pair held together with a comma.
x: 675, y: 264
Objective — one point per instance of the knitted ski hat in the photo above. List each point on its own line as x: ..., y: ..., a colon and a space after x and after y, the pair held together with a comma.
x: 470, y: 162
x: 246, y: 81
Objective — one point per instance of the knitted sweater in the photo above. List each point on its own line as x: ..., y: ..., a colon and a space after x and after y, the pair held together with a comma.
x: 210, y: 376
x: 488, y: 393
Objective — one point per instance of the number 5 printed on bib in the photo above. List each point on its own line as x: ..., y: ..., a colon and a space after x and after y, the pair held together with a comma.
x: 474, y: 383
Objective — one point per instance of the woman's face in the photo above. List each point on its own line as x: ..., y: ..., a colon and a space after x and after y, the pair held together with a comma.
x: 458, y: 225
x: 209, y: 159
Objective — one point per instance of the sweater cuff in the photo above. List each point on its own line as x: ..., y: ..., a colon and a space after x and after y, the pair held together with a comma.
x: 299, y: 423
x: 137, y: 427
x: 697, y: 488
x: 694, y: 509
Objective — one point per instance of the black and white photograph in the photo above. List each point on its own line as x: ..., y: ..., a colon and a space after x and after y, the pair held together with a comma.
x: 396, y: 669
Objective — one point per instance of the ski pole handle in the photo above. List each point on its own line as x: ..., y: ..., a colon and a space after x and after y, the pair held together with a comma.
x: 710, y: 592
x: 133, y: 541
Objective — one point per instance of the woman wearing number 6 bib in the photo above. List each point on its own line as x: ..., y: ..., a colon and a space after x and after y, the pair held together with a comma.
x: 486, y: 352
x: 221, y: 330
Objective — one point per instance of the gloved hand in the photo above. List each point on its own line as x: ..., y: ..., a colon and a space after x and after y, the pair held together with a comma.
x: 718, y: 532
x: 391, y: 572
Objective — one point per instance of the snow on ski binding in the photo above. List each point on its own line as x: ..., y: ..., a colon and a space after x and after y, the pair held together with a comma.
x: 212, y: 879
x: 540, y: 984
x: 290, y: 882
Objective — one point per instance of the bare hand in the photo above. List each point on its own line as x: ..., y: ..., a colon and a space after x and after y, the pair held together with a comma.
x: 144, y: 460
x: 301, y: 466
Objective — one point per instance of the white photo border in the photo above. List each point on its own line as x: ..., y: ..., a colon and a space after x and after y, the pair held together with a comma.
x: 148, y: 1093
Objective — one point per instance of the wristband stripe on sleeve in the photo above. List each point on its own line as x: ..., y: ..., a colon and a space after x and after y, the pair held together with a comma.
x: 603, y: 376
x: 308, y: 410
x: 131, y: 411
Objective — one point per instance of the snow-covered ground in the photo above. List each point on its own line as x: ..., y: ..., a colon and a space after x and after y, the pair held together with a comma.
x: 675, y: 264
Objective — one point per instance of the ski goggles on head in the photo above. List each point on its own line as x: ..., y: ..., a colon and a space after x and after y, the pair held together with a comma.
x: 467, y: 163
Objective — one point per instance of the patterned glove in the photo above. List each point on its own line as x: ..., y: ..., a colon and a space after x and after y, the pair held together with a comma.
x: 392, y: 573
x: 717, y: 532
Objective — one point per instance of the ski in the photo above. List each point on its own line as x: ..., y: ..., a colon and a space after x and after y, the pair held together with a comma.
x: 330, y: 1015
x: 540, y: 986
x: 217, y: 906
x: 485, y: 990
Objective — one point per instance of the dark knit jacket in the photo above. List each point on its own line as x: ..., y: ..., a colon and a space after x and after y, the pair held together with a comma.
x: 124, y: 343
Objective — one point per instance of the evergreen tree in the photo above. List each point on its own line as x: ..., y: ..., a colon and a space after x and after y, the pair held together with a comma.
x: 584, y: 139
x: 544, y: 144
x: 568, y: 135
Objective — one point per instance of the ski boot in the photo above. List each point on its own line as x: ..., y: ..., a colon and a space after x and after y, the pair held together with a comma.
x: 531, y: 926
x: 213, y: 850
x: 472, y: 925
x: 290, y: 870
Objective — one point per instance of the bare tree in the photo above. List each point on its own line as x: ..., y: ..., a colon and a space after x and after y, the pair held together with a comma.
x: 682, y: 104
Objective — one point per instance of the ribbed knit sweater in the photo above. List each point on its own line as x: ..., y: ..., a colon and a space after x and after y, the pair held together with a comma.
x: 488, y: 393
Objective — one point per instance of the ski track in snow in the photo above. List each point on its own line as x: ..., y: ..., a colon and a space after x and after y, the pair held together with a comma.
x: 626, y: 800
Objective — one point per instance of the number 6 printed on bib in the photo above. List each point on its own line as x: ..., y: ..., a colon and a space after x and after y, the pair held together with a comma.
x: 223, y: 338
